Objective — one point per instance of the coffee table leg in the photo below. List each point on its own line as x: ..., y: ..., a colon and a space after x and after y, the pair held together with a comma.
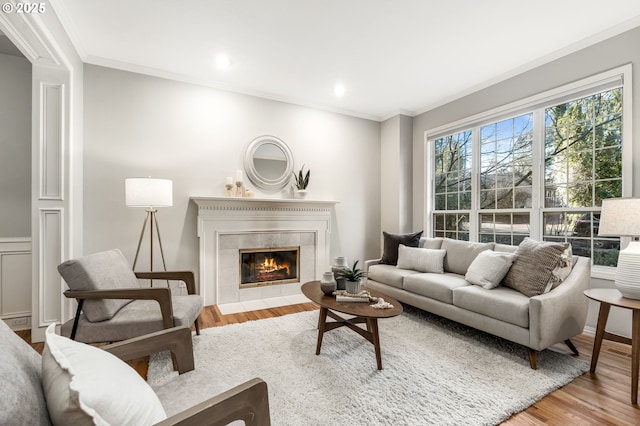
x: 372, y: 324
x: 322, y: 321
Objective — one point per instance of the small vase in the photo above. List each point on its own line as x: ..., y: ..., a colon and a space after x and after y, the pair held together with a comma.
x: 353, y: 287
x: 301, y: 193
x: 328, y: 283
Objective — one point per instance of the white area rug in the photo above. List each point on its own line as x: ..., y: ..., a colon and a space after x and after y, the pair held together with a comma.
x: 435, y: 371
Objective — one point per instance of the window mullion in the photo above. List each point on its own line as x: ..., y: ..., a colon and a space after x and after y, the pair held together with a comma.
x: 474, y: 216
x: 537, y: 201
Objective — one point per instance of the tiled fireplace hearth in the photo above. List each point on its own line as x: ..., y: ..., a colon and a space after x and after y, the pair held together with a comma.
x: 229, y: 227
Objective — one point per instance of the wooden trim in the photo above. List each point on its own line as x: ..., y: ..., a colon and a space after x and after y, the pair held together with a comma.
x: 159, y: 294
x: 185, y: 276
x: 248, y: 401
x: 176, y: 339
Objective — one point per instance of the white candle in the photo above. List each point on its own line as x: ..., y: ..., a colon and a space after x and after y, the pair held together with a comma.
x: 229, y: 180
x: 239, y: 176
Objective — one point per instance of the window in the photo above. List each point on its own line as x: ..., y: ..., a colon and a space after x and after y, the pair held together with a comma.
x: 541, y: 171
x: 583, y: 165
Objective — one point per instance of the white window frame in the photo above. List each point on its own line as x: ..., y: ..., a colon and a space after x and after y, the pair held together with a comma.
x: 620, y: 76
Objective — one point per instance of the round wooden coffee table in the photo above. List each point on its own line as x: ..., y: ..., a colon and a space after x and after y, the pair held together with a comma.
x: 363, y: 313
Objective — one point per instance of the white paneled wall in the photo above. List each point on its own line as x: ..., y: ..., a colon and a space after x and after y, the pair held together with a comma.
x: 15, y: 282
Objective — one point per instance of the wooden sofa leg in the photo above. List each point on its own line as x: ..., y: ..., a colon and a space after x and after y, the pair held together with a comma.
x: 197, y: 324
x: 533, y: 360
x: 572, y: 347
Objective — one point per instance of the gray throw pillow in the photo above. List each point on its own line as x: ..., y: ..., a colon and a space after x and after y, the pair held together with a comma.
x: 489, y: 268
x: 420, y: 259
x: 534, y: 264
x: 391, y: 243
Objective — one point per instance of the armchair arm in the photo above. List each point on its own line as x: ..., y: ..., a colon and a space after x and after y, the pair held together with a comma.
x: 185, y: 276
x: 248, y: 401
x: 160, y: 294
x: 176, y: 339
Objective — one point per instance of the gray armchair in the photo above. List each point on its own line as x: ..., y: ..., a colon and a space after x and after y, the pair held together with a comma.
x: 113, y: 305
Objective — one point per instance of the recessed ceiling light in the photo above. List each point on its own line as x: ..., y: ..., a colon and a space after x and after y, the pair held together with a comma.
x: 223, y: 62
x: 339, y: 90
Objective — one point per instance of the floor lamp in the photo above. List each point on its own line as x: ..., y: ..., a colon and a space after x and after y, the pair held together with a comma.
x: 621, y: 217
x: 149, y: 193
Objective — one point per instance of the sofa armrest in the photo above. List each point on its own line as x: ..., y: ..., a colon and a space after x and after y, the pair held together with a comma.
x: 368, y: 263
x: 560, y: 314
x: 176, y: 339
x: 186, y: 277
x: 248, y: 401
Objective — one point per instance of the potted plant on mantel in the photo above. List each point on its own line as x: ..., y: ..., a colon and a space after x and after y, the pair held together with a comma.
x: 353, y: 276
x: 302, y: 181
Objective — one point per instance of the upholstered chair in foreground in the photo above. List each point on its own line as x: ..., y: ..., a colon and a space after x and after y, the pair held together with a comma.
x: 113, y: 304
x: 76, y: 384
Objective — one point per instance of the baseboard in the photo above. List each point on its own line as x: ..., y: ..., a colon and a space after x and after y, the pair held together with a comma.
x: 589, y: 331
x: 18, y: 323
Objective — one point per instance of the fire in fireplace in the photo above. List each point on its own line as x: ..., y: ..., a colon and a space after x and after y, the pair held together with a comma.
x: 269, y: 266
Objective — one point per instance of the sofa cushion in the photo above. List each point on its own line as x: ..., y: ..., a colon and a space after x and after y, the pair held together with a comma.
x: 533, y: 266
x: 391, y: 243
x: 421, y: 259
x: 85, y: 385
x: 430, y: 243
x: 435, y: 286
x: 389, y: 274
x: 21, y: 397
x: 501, y: 303
x: 460, y: 254
x: 489, y: 268
x: 100, y: 271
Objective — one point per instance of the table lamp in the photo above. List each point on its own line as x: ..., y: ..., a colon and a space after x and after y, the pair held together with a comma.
x: 149, y: 193
x: 621, y: 217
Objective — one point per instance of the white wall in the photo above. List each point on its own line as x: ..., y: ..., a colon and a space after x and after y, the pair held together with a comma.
x: 595, y: 59
x: 136, y: 125
x: 15, y: 147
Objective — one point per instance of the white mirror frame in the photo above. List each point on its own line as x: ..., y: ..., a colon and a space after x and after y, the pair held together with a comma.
x: 254, y: 176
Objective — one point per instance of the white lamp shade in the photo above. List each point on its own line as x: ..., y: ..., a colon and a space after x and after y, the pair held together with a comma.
x: 620, y: 217
x: 148, y: 192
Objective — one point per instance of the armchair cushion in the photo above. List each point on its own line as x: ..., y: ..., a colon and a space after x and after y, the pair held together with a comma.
x: 86, y: 385
x: 135, y: 319
x: 100, y: 271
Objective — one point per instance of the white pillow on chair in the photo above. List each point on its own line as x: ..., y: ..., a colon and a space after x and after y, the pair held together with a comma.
x: 84, y: 385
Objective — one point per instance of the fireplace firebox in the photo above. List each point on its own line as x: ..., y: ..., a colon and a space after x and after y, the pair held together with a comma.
x: 270, y: 266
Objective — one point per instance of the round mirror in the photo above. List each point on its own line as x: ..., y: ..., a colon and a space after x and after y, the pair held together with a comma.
x: 268, y: 163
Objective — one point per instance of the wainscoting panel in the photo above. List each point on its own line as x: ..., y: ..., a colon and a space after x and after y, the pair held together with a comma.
x: 15, y: 281
x: 50, y: 282
x: 51, y: 143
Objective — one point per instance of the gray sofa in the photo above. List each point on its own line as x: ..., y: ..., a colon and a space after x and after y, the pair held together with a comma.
x: 535, y: 322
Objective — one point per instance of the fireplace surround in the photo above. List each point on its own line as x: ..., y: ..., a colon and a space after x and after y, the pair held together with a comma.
x: 225, y: 226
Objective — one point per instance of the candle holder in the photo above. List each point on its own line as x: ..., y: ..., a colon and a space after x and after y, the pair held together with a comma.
x: 239, y: 189
x: 229, y: 187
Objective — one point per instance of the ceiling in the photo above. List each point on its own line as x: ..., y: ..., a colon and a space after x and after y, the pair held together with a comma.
x: 402, y: 56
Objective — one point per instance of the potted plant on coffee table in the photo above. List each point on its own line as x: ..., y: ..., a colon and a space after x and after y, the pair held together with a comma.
x: 302, y: 181
x: 353, y: 276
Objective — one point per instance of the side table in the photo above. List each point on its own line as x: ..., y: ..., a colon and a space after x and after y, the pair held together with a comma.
x: 611, y: 297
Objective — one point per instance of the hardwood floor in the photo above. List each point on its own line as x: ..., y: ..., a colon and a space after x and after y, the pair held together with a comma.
x: 602, y: 398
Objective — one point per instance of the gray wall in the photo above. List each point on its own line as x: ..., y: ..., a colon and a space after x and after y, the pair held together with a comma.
x: 15, y: 147
x: 136, y: 125
x: 611, y: 53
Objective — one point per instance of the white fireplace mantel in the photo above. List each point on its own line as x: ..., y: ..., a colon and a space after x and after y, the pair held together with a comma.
x: 221, y: 216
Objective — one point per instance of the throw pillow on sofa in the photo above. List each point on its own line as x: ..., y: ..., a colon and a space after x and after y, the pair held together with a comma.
x: 421, y: 259
x: 84, y: 385
x: 533, y: 266
x: 391, y: 243
x: 489, y: 268
x: 460, y: 254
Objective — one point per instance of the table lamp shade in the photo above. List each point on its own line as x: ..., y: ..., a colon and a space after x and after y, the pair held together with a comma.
x: 148, y: 192
x: 620, y: 217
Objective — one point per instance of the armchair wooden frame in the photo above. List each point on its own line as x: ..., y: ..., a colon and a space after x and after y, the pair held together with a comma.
x: 160, y: 294
x: 248, y: 401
